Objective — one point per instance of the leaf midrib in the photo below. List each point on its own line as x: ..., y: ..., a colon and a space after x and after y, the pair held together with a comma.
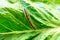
x: 27, y: 31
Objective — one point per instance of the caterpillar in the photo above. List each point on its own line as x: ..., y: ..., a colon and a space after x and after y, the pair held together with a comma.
x: 29, y: 19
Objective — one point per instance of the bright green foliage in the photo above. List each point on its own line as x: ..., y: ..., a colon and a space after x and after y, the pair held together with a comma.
x: 45, y: 1
x: 17, y: 21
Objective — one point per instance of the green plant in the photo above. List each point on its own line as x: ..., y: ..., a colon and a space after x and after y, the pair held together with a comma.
x: 26, y: 20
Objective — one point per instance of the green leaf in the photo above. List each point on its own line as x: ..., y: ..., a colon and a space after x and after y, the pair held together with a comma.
x: 29, y: 21
x: 49, y: 1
